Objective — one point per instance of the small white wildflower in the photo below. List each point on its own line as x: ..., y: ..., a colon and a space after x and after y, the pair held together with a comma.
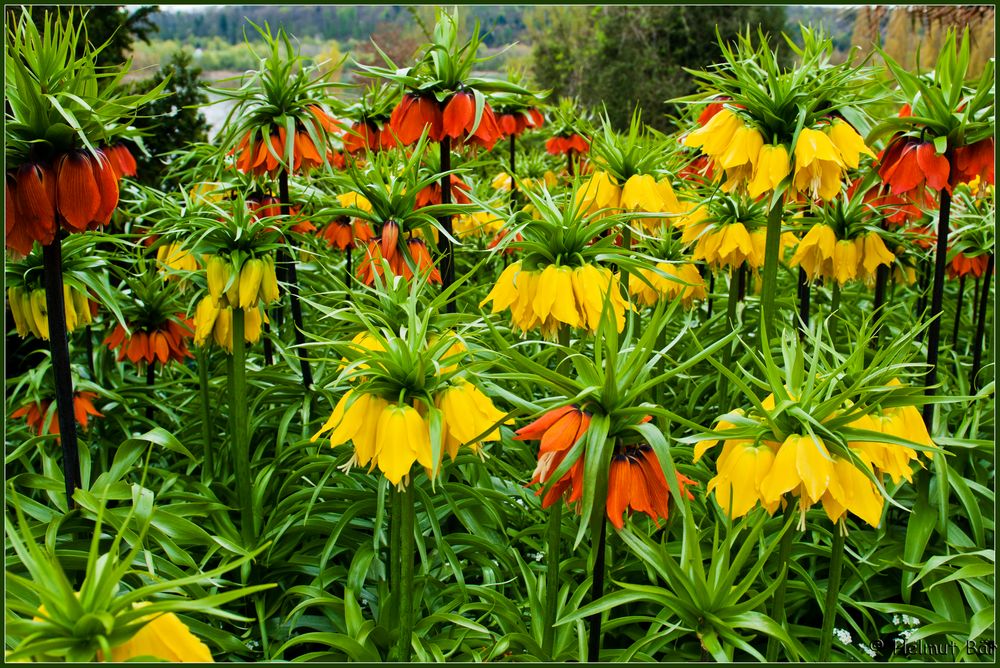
x: 897, y: 620
x: 843, y: 636
x: 537, y: 556
x: 866, y: 649
x: 911, y: 621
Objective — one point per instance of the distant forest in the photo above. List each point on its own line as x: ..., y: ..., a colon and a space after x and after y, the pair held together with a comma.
x: 504, y: 24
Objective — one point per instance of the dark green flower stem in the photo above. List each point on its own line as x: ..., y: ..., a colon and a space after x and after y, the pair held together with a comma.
x: 150, y: 381
x: 769, y: 275
x: 958, y: 311
x: 834, y: 308
x: 241, y: 434
x: 89, y: 339
x: 832, y: 593
x: 977, y: 344
x: 445, y: 246
x: 206, y: 414
x: 293, y: 291
x: 778, y: 603
x: 513, y: 168
x: 552, y: 557
x: 596, y: 592
x: 268, y: 346
x: 406, y: 551
x: 879, y: 301
x: 395, y: 519
x: 805, y: 292
x: 975, y: 300
x: 711, y: 290
x: 937, y: 298
x: 59, y: 347
x: 733, y: 298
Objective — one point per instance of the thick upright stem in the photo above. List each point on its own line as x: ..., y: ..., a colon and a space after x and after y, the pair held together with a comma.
x: 596, y: 592
x: 406, y: 551
x: 395, y: 518
x: 975, y: 300
x: 445, y: 246
x: 268, y: 346
x: 552, y: 558
x: 293, y: 292
x: 513, y: 168
x: 937, y: 297
x: 879, y: 301
x: 241, y: 433
x: 89, y: 334
x: 834, y: 309
x: 769, y: 275
x: 731, y: 302
x: 59, y: 347
x: 569, y: 163
x: 150, y: 381
x: 832, y: 593
x: 804, y: 292
x: 958, y: 311
x: 206, y: 413
x: 778, y: 603
x: 984, y: 302
x: 711, y: 289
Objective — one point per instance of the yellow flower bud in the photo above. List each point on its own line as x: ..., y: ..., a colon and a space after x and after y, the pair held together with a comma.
x: 40, y: 313
x: 14, y: 299
x: 71, y: 319
x: 269, y: 282
x: 218, y: 276
x: 250, y: 276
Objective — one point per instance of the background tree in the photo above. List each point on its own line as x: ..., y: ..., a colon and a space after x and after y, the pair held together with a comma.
x: 635, y: 55
x: 115, y: 24
x: 907, y: 32
x: 170, y: 121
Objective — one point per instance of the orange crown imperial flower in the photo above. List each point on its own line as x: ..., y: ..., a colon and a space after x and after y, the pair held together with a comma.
x: 34, y: 414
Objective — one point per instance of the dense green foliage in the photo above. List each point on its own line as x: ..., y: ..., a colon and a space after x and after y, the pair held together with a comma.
x: 172, y: 120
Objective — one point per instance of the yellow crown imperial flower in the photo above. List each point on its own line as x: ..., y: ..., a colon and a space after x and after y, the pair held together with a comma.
x: 687, y: 284
x: 848, y: 142
x: 401, y: 438
x: 218, y: 273
x: 164, y: 637
x: 740, y: 471
x: 713, y: 138
x: 557, y: 294
x: 355, y: 418
x: 212, y: 319
x: 818, y: 165
x: 31, y: 312
x: 743, y: 148
x: 354, y: 200
x: 250, y: 277
x: 771, y: 168
x: 269, y: 282
x: 801, y: 463
x: 467, y: 413
x: 174, y: 256
x: 845, y: 261
x: 815, y: 253
x: 874, y: 253
x: 850, y: 489
x: 600, y: 192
